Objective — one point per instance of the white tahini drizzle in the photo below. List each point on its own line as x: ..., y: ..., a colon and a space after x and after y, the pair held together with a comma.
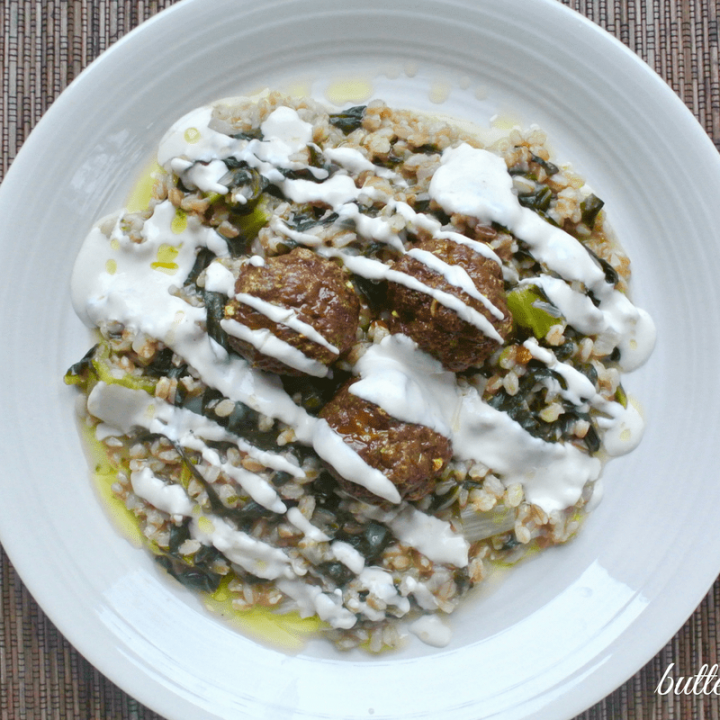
x: 475, y: 182
x: 255, y: 556
x: 219, y: 279
x: 171, y: 499
x: 266, y: 342
x: 285, y: 316
x: 577, y: 308
x: 376, y: 270
x: 431, y: 536
x: 125, y: 409
x: 432, y: 631
x: 415, y: 388
x: 348, y: 556
x: 455, y: 275
x: 355, y: 162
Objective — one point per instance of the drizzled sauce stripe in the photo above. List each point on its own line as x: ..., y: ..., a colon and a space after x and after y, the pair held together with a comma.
x: 264, y: 341
x: 376, y: 270
x: 285, y: 316
x: 454, y: 275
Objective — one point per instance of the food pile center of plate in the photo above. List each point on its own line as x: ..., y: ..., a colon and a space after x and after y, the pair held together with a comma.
x: 350, y: 362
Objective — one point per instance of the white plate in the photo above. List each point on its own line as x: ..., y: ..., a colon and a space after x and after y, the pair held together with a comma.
x: 561, y: 631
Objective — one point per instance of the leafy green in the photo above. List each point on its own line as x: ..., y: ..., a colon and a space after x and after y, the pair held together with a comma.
x: 374, y: 291
x: 80, y: 372
x: 348, y: 120
x: 203, y: 258
x: 303, y: 221
x: 621, y: 396
x: 532, y: 311
x: 191, y: 576
x: 611, y: 275
x: 249, y: 184
x: 548, y: 167
x: 162, y: 365
x: 215, y: 307
x: 314, y: 393
x: 590, y: 207
x: 336, y: 571
x: 254, y: 134
x: 251, y: 223
x: 370, y: 542
x: 539, y: 200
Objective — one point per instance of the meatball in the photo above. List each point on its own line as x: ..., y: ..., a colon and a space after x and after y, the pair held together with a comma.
x: 437, y: 329
x: 314, y: 288
x: 411, y: 456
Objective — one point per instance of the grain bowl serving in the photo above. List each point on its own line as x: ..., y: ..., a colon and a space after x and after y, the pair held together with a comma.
x: 350, y: 362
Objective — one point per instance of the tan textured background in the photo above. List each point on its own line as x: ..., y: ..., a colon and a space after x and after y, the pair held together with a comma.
x: 44, y: 44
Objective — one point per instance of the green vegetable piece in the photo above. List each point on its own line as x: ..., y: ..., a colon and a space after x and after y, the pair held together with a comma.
x: 611, y: 275
x: 337, y: 572
x: 548, y: 167
x: 251, y: 224
x: 621, y: 396
x: 215, y: 307
x: 254, y: 134
x: 590, y: 207
x: 303, y: 221
x: 105, y: 372
x: 178, y: 535
x: 195, y: 578
x: 248, y: 183
x: 592, y: 440
x: 80, y: 372
x: 203, y: 258
x: 541, y: 199
x: 532, y: 311
x: 377, y: 537
x: 348, y: 120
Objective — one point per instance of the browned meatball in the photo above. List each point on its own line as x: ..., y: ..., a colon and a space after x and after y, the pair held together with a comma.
x: 410, y: 456
x: 439, y: 330
x: 315, y: 289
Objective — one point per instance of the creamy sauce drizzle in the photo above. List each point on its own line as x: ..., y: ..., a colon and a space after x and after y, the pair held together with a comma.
x: 433, y: 537
x: 376, y: 270
x: 476, y: 182
x: 220, y: 279
x: 171, y: 499
x: 253, y: 555
x: 285, y: 316
x: 432, y: 631
x: 348, y: 556
x: 305, y: 526
x: 126, y: 409
x: 415, y: 388
x: 355, y: 162
x: 266, y: 342
x: 455, y: 275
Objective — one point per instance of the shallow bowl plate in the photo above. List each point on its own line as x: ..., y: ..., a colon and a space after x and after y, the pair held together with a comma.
x: 559, y: 632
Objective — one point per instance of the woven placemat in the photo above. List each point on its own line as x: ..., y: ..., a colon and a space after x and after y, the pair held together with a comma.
x: 44, y: 44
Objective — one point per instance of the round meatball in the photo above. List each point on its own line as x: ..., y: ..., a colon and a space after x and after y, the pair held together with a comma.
x: 411, y: 456
x: 315, y: 290
x: 437, y: 329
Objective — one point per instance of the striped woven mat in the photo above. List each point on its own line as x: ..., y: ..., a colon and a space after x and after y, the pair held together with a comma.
x: 44, y: 44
